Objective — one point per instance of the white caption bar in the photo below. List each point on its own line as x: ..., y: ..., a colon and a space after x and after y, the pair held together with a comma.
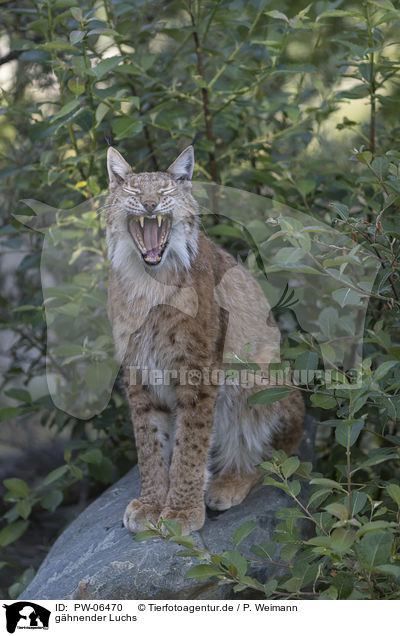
x: 176, y: 617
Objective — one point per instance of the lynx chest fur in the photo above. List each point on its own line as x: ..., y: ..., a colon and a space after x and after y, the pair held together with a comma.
x: 178, y: 304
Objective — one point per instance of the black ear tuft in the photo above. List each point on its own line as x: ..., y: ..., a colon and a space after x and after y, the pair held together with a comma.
x: 195, y: 138
x: 108, y: 139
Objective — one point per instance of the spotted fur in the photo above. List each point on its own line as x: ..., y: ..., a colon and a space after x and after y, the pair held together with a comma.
x: 196, y: 441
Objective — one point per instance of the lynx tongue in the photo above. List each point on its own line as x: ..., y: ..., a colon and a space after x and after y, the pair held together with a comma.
x: 151, y: 238
x: 151, y: 235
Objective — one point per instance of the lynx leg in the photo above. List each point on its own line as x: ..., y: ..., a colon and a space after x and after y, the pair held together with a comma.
x: 229, y: 489
x: 149, y: 425
x: 185, y: 501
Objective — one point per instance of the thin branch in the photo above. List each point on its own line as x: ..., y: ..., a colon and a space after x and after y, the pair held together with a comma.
x: 372, y: 85
x: 12, y: 55
x: 205, y: 97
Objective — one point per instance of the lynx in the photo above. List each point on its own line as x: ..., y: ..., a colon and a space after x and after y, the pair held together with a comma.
x: 177, y: 301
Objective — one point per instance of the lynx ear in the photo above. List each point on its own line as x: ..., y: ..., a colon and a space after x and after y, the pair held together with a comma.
x: 117, y: 167
x: 182, y: 168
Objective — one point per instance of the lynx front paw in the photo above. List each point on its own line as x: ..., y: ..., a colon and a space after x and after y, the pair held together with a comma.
x: 228, y: 490
x: 137, y: 511
x: 191, y: 519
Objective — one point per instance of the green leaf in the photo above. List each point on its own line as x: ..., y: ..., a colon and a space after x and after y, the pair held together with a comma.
x: 57, y: 45
x: 17, y: 487
x: 144, y: 535
x: 101, y: 112
x: 68, y: 350
x: 390, y: 569
x: 265, y: 550
x: 294, y: 487
x: 270, y: 481
x: 235, y: 559
x: 384, y: 368
x: 186, y: 541
x: 347, y: 432
x: 19, y: 394
x: 289, y: 513
x: 12, y: 532
x: 201, y: 572
x: 364, y: 157
x: 308, y: 360
x: 126, y: 127
x: 277, y: 15
x: 358, y: 501
x: 289, y: 255
x: 102, y: 31
x: 342, y: 539
x: 337, y: 510
x: 339, y: 13
x: 268, y: 396
x: 330, y: 593
x: 107, y: 65
x: 76, y: 36
x: 323, y: 401
x: 323, y: 481
x: 318, y: 496
x: 243, y: 531
x: 377, y: 457
x: 24, y: 508
x: 346, y: 296
x: 380, y: 165
x: 320, y: 541
x: 393, y: 490
x: 372, y: 526
x: 93, y: 456
x: 342, y: 210
x: 289, y: 466
x: 76, y: 472
x: 52, y: 500
x: 76, y: 86
x: 344, y: 583
x: 77, y: 13
x: 173, y: 527
x: 55, y: 474
x: 374, y: 548
x: 66, y: 109
x: 306, y: 186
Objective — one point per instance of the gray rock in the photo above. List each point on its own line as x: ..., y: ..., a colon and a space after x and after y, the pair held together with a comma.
x: 96, y: 557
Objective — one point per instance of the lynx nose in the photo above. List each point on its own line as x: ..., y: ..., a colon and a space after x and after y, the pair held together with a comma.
x: 150, y: 205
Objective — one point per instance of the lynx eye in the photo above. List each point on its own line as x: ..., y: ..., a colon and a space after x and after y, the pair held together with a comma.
x: 168, y: 191
x: 130, y: 190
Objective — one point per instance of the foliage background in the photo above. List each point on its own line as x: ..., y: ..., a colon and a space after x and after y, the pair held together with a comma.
x: 283, y: 93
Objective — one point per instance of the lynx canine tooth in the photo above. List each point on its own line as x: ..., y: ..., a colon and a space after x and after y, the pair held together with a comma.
x: 141, y: 220
x: 159, y: 219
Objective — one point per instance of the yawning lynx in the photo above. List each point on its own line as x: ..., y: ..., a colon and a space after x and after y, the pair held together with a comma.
x: 178, y: 302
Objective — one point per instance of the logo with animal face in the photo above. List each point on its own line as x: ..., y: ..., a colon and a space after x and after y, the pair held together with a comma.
x: 26, y: 615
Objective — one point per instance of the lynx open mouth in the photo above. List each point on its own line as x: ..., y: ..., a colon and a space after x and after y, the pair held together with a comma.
x: 151, y: 234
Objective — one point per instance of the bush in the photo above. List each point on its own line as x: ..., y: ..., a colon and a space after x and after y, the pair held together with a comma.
x: 282, y: 94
